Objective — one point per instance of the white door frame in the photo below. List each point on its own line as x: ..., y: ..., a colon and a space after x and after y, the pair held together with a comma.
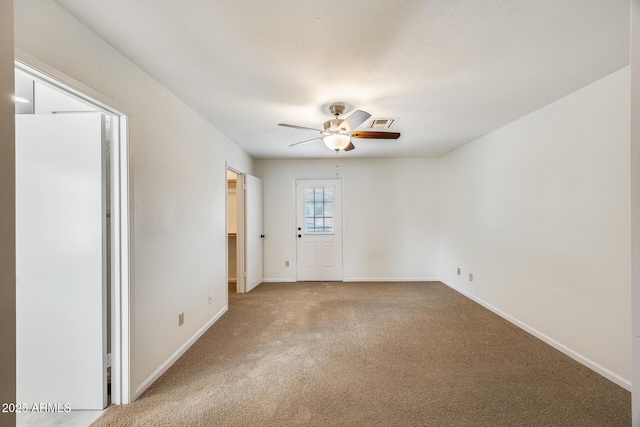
x: 295, y: 219
x: 240, y: 279
x: 121, y: 214
x: 241, y: 232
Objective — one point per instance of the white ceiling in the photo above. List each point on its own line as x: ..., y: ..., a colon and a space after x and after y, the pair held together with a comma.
x: 451, y: 70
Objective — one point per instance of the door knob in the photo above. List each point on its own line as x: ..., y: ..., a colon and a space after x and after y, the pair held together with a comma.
x: 262, y: 236
x: 299, y: 235
x: 299, y: 228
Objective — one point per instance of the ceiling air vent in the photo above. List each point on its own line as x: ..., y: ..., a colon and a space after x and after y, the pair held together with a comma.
x: 385, y: 123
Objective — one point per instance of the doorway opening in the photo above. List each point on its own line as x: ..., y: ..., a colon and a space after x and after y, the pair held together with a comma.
x: 244, y: 204
x: 232, y: 231
x: 72, y: 242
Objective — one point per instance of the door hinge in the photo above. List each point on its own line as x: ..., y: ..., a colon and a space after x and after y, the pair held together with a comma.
x: 107, y: 146
x: 245, y: 274
x: 108, y: 360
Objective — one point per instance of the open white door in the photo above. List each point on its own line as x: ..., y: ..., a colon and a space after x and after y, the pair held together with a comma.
x: 253, y: 231
x: 60, y: 250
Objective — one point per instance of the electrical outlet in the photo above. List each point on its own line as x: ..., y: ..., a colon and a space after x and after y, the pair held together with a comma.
x: 471, y: 277
x: 180, y: 319
x: 286, y: 263
x: 458, y: 271
x: 210, y: 299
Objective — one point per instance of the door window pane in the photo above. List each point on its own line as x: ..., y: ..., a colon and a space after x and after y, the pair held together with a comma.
x: 318, y: 209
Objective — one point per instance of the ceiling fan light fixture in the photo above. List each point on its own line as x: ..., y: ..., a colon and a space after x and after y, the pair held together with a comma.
x: 338, y: 132
x: 336, y: 142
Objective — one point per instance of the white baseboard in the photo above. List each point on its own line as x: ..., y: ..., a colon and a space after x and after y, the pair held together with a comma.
x: 357, y: 279
x: 391, y: 279
x: 175, y: 356
x: 611, y: 376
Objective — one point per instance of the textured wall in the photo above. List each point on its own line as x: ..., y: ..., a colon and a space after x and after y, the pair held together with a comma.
x: 178, y: 186
x: 635, y: 203
x: 539, y: 212
x: 390, y: 221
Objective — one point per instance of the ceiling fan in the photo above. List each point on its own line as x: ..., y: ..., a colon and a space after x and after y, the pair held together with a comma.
x: 337, y: 132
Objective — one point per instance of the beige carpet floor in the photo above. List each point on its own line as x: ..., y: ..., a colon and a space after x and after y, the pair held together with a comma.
x: 371, y: 354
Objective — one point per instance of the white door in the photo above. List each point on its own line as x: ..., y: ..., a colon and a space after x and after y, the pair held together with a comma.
x: 319, y: 230
x: 60, y: 265
x: 253, y: 231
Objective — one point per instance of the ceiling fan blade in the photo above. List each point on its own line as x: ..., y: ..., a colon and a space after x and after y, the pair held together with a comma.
x: 354, y: 120
x: 305, y: 142
x: 375, y: 135
x: 349, y: 147
x: 300, y: 127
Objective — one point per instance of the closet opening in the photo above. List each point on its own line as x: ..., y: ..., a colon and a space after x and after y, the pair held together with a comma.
x: 232, y: 230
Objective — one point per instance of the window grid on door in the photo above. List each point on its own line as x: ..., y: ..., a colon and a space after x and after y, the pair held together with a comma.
x: 318, y: 210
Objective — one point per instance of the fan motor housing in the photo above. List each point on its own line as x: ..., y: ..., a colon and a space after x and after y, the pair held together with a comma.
x: 336, y: 109
x: 332, y: 125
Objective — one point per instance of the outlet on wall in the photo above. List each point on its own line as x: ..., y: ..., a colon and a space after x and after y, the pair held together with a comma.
x: 458, y: 271
x: 180, y: 319
x: 471, y: 277
x: 286, y: 263
x: 210, y: 299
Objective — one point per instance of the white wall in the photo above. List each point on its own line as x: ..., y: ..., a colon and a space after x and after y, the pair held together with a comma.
x: 635, y: 205
x: 390, y: 222
x: 539, y: 212
x: 7, y: 216
x: 178, y: 187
